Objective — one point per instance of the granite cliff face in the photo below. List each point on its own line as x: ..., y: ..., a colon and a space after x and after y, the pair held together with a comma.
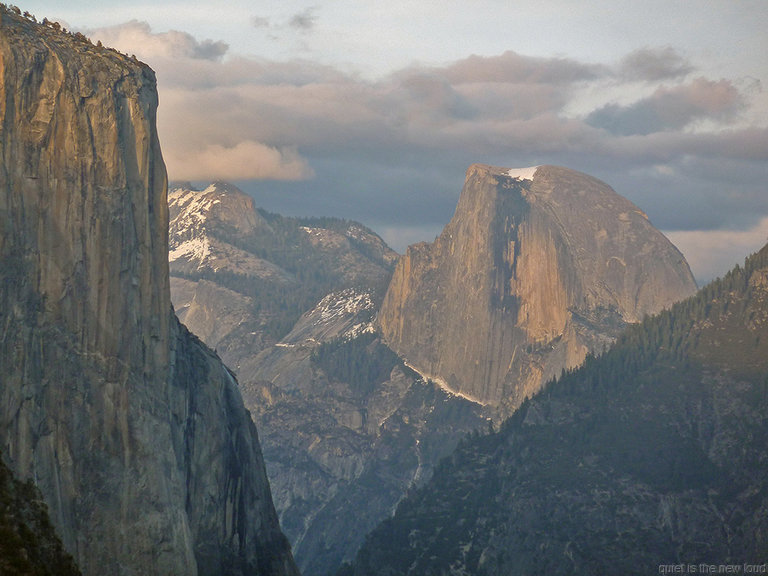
x: 537, y: 267
x: 346, y: 428
x: 133, y: 430
x: 347, y: 431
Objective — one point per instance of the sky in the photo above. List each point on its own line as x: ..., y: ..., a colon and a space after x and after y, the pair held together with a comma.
x: 373, y: 111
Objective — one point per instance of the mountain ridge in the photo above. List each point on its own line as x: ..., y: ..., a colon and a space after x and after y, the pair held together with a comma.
x: 274, y: 267
x: 652, y: 454
x: 332, y: 404
x: 346, y: 428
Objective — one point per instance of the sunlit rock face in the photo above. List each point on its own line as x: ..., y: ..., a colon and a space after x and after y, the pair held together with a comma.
x: 537, y: 268
x: 346, y: 429
x: 133, y: 430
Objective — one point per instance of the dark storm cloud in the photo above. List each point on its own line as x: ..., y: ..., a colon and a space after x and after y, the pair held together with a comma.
x: 670, y: 108
x: 749, y: 144
x: 654, y: 64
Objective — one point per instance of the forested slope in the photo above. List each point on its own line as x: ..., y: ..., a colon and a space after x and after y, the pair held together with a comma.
x: 654, y: 453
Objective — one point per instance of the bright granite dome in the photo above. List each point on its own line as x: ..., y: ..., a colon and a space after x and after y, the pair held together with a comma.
x: 538, y: 267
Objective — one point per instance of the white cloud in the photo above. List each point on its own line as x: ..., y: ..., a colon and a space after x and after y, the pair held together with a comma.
x: 246, y: 160
x: 136, y: 37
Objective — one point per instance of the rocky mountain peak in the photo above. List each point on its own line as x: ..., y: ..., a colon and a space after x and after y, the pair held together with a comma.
x: 209, y: 227
x: 537, y: 267
x: 219, y: 205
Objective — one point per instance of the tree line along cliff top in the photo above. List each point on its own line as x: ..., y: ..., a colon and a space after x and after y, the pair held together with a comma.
x: 14, y: 22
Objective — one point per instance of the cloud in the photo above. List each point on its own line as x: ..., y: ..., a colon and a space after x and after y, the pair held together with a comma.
x: 654, y: 64
x: 261, y: 22
x: 392, y: 153
x: 670, y: 108
x: 304, y: 20
x: 246, y: 160
x: 712, y: 253
x: 137, y: 38
x: 514, y: 68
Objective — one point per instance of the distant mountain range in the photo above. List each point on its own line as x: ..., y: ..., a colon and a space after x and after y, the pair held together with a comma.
x: 533, y: 272
x: 379, y: 383
x: 275, y: 268
x: 290, y: 305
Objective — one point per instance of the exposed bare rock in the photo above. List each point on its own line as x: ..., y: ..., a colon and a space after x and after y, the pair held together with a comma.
x: 346, y: 429
x: 537, y: 268
x: 343, y: 314
x: 222, y: 318
x: 343, y: 445
x: 242, y: 277
x: 197, y: 219
x: 133, y: 430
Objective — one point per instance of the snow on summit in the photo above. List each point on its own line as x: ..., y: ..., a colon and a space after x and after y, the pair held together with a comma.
x: 186, y: 238
x: 193, y: 205
x: 345, y: 313
x: 192, y: 209
x: 522, y: 173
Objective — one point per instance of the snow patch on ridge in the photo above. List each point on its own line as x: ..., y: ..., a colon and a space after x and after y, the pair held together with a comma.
x: 522, y: 173
x: 187, y: 231
x: 197, y: 248
x: 443, y: 384
x: 344, y: 314
x: 194, y: 207
x: 345, y: 304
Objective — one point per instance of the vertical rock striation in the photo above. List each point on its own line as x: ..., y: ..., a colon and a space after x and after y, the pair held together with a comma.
x: 537, y: 268
x: 133, y: 430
